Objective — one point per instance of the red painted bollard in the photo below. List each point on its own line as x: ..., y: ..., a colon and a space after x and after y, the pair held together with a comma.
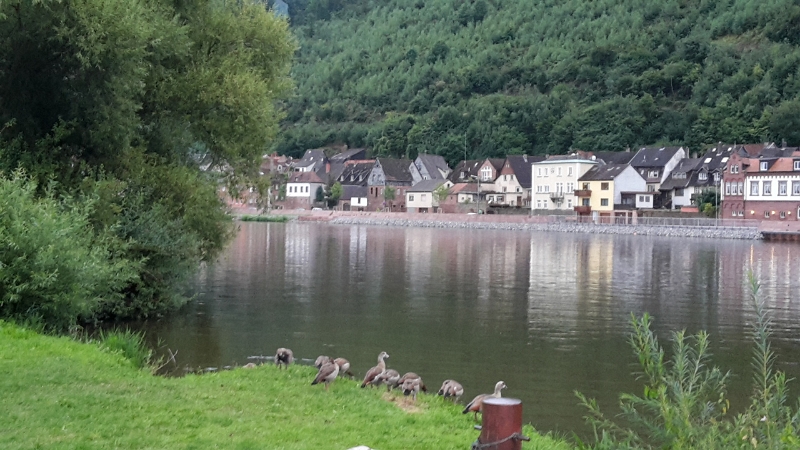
x: 501, y: 427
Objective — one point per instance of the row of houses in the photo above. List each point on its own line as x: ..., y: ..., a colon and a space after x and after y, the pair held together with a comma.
x: 750, y: 181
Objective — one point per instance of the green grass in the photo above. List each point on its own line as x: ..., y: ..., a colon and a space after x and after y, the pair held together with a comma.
x: 59, y: 393
x: 251, y: 218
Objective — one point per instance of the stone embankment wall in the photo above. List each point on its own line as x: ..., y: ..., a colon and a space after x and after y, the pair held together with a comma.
x: 511, y: 222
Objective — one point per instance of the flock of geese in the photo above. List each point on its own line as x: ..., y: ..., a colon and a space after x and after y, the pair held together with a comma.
x: 410, y: 383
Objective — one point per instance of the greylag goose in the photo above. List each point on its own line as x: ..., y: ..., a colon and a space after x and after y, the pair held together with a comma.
x: 321, y: 359
x: 476, y: 405
x: 327, y: 373
x: 389, y: 377
x: 374, y: 372
x: 283, y: 356
x: 451, y: 388
x: 344, y: 366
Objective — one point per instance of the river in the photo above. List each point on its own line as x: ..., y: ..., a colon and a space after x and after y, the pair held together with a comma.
x: 548, y: 313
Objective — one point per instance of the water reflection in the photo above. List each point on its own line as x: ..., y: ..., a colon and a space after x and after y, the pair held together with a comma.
x: 546, y: 313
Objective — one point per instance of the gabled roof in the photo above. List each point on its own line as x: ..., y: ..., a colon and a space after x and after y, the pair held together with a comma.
x: 434, y: 164
x: 464, y: 170
x: 497, y: 163
x: 521, y: 165
x: 347, y: 155
x: 603, y: 172
x: 681, y: 175
x: 716, y: 158
x: 426, y: 186
x: 464, y: 188
x: 314, y: 157
x: 350, y: 191
x: 305, y: 177
x: 653, y: 156
x: 356, y: 172
x: 615, y: 157
x: 397, y: 170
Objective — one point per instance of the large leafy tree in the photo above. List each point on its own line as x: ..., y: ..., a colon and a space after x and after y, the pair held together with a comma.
x: 148, y: 105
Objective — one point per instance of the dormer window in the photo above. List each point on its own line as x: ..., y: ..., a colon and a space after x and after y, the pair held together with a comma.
x: 716, y: 177
x: 486, y: 173
x: 797, y: 164
x: 652, y: 174
x: 461, y: 175
x: 702, y: 176
x: 764, y: 166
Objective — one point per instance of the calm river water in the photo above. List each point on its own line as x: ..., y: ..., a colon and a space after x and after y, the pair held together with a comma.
x: 545, y: 312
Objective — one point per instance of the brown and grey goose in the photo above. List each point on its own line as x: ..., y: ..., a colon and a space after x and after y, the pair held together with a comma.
x: 451, y: 388
x: 476, y: 405
x: 390, y: 378
x: 283, y: 357
x: 327, y: 373
x: 344, y: 367
x: 321, y: 359
x: 376, y: 371
x: 412, y: 376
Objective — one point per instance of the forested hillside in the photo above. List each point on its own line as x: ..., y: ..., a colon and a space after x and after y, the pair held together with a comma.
x: 541, y: 76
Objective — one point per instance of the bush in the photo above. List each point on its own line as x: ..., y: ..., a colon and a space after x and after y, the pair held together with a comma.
x: 54, y: 269
x: 130, y: 344
x: 684, y: 404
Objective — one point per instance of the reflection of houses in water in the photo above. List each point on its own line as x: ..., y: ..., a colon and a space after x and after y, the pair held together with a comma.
x: 301, y: 264
x: 775, y: 267
x: 553, y: 286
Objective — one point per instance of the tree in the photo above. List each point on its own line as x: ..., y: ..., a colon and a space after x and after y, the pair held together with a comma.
x: 148, y: 106
x: 335, y: 194
x: 440, y: 193
x: 319, y: 196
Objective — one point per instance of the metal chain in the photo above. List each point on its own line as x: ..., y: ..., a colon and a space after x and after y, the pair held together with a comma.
x: 477, y: 445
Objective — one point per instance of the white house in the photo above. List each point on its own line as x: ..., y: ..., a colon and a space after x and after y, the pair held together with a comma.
x: 420, y: 197
x: 555, y: 179
x: 301, y: 188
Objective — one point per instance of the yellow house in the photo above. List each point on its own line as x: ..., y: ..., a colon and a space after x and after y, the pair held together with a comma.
x: 600, y: 189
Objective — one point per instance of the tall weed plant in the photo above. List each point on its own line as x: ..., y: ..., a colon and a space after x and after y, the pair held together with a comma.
x: 130, y: 344
x: 684, y: 404
x: 55, y: 269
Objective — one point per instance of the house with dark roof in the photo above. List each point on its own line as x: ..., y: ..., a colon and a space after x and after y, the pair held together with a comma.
x: 606, y: 188
x: 677, y: 187
x: 394, y: 174
x: 465, y: 171
x: 314, y: 160
x: 429, y: 167
x: 301, y: 189
x: 655, y: 164
x: 614, y: 157
x: 422, y: 198
x: 356, y: 172
x: 770, y: 189
x: 513, y: 185
x: 354, y: 197
x: 554, y: 181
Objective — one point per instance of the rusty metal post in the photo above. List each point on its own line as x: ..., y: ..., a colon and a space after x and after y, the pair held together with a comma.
x: 501, y: 427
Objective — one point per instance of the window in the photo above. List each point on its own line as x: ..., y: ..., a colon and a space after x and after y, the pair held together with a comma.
x: 727, y: 188
x: 559, y: 171
x: 603, y: 186
x: 734, y: 168
x: 584, y: 202
x: 702, y: 176
x: 546, y: 188
x: 570, y: 187
x: 519, y: 189
x: 740, y: 188
x: 782, y: 188
x: 411, y: 197
x: 651, y: 188
x: 539, y: 189
x: 766, y: 214
x: 538, y: 204
x: 652, y: 174
x: 569, y: 171
x: 797, y: 165
x: 754, y: 188
x: 783, y: 214
x: 734, y: 213
x: 767, y: 190
x: 585, y: 186
x: 486, y: 173
x: 560, y: 188
x: 603, y: 202
x: 795, y: 187
x: 716, y: 177
x: 641, y: 199
x: 569, y: 203
x: 499, y: 198
x: 423, y: 197
x: 678, y: 192
x: 504, y: 188
x: 764, y: 165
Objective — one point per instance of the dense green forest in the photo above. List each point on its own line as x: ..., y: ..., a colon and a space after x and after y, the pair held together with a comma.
x: 541, y: 76
x: 118, y: 121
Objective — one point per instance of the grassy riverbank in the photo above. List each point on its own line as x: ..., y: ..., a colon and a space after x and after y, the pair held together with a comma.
x: 59, y: 393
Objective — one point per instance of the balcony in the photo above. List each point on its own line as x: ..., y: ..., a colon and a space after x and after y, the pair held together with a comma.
x: 557, y: 196
x: 583, y: 192
x: 581, y: 209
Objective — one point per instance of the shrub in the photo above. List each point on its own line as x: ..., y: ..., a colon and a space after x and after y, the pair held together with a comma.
x: 684, y: 404
x: 54, y: 269
x: 130, y: 344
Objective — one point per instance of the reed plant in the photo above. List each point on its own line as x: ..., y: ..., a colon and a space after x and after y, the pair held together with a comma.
x: 684, y: 404
x: 130, y: 344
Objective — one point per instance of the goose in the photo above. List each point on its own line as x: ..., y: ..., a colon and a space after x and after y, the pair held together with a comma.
x: 374, y: 372
x: 389, y: 377
x: 476, y: 405
x: 321, y: 359
x: 283, y: 356
x: 451, y: 388
x: 327, y: 373
x: 344, y: 366
x: 412, y: 376
x: 412, y: 386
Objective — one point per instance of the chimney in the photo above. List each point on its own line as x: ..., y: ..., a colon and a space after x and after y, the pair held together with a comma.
x: 628, y: 149
x: 327, y: 167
